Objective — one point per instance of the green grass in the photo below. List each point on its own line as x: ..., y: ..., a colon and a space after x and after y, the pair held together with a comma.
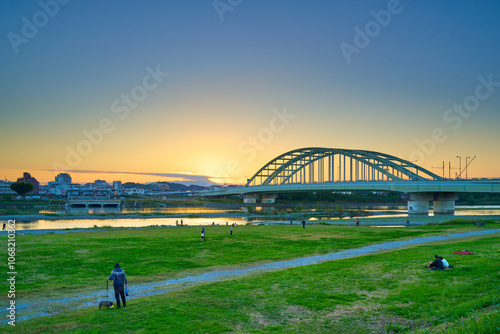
x: 74, y: 261
x: 380, y: 293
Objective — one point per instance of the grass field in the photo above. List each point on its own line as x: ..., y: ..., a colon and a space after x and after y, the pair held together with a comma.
x: 378, y: 293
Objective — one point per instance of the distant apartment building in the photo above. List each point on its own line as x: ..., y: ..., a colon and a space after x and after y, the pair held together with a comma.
x: 63, y: 178
x: 5, y: 188
x: 27, y: 178
x: 134, y: 191
x: 100, y: 184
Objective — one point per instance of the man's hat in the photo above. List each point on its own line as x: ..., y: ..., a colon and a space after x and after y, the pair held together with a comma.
x: 117, y: 265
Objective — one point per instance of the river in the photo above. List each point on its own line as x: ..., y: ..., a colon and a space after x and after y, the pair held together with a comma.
x: 195, y: 216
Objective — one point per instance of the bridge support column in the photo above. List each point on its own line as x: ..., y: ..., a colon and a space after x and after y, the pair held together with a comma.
x: 250, y: 198
x: 445, y: 203
x: 419, y: 202
x: 269, y: 198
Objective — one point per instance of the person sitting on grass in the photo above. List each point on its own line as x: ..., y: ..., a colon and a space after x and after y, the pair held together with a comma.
x: 437, y: 264
x: 445, y: 263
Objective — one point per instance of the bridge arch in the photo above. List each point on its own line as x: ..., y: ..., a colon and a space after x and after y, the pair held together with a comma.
x: 320, y: 165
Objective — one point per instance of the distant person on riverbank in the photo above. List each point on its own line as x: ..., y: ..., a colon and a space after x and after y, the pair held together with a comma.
x: 231, y: 230
x: 303, y: 224
x: 3, y: 226
x: 291, y: 221
x: 181, y: 222
x: 176, y: 223
x: 437, y: 264
x: 357, y: 221
x: 407, y: 223
x: 119, y: 279
x: 203, y: 234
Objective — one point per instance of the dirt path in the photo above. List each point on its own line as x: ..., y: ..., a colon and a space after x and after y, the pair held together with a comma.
x: 38, y: 307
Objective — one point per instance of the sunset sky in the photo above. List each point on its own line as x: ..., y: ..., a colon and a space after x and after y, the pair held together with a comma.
x: 212, y: 90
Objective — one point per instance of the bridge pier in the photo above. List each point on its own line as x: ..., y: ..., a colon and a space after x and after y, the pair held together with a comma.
x: 269, y: 198
x: 419, y: 202
x: 250, y: 198
x: 442, y: 202
x: 445, y: 203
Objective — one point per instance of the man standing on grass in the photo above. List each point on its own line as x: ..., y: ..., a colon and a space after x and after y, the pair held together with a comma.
x: 119, y: 279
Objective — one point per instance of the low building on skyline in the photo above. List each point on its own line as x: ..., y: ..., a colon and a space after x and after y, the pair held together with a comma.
x: 5, y: 188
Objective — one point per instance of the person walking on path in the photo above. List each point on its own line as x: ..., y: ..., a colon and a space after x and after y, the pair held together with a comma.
x: 291, y: 221
x: 357, y: 221
x: 231, y: 230
x: 303, y: 224
x: 119, y: 279
x: 3, y: 226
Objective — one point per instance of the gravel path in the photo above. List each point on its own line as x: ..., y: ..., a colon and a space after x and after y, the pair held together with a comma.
x: 28, y: 309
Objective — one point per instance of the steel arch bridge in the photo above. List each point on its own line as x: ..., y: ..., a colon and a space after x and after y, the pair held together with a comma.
x: 320, y: 165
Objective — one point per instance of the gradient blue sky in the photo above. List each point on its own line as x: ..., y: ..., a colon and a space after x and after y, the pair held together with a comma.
x: 227, y: 76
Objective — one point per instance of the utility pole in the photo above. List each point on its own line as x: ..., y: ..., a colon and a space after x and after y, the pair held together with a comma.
x: 459, y: 167
x: 466, y: 167
x: 467, y: 164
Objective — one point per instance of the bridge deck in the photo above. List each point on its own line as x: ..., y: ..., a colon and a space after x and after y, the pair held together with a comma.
x: 451, y: 186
